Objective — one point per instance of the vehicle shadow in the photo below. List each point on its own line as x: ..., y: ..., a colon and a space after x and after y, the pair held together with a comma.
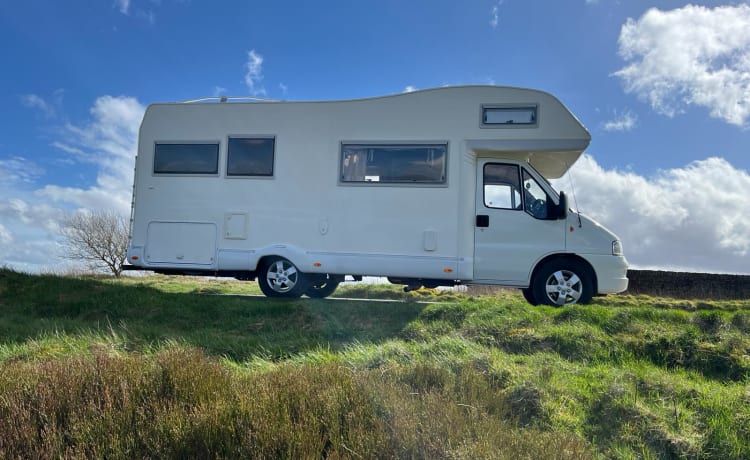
x: 138, y: 317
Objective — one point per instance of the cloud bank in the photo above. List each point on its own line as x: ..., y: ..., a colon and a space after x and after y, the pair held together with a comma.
x: 31, y: 216
x: 692, y: 218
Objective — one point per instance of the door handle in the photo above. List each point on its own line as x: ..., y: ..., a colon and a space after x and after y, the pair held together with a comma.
x: 483, y: 220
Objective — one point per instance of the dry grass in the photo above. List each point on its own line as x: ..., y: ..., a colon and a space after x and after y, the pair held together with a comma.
x: 179, y: 403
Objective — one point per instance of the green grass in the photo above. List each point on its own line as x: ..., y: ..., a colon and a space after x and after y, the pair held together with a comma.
x: 168, y: 367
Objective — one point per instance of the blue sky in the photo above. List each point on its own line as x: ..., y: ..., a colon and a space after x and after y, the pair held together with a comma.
x: 664, y: 88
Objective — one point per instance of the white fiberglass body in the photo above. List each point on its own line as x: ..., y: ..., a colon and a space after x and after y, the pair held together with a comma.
x: 433, y: 187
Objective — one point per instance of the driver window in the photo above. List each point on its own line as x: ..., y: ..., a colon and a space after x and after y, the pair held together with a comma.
x: 535, y: 198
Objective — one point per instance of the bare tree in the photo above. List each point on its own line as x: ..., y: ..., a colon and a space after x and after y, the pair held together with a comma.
x: 99, y: 237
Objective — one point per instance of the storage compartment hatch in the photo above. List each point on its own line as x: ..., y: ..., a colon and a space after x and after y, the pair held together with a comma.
x: 187, y: 243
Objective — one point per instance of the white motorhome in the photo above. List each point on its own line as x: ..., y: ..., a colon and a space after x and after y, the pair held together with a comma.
x: 437, y: 187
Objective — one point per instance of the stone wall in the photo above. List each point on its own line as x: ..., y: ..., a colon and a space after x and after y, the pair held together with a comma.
x: 689, y: 285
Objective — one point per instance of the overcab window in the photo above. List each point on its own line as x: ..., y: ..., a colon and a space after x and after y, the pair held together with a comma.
x: 509, y: 116
x: 180, y: 158
x: 250, y: 156
x: 393, y: 163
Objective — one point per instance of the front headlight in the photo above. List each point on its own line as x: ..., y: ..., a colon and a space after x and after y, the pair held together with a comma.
x: 616, y: 248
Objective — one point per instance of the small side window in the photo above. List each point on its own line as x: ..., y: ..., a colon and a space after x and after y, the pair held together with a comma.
x: 509, y: 116
x: 184, y: 158
x: 250, y: 156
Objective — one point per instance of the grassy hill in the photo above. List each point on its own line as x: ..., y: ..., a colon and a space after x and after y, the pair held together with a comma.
x: 175, y: 367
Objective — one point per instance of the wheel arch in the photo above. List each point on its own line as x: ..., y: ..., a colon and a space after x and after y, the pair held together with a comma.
x: 293, y: 254
x: 564, y: 257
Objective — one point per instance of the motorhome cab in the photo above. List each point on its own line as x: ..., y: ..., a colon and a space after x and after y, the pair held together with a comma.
x: 437, y: 187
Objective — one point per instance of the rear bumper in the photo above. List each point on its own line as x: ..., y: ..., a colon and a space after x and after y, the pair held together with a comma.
x: 611, y: 273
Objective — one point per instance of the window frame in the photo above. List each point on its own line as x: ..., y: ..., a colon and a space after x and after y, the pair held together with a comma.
x: 373, y: 144
x: 227, y: 175
x: 531, y: 125
x: 519, y: 191
x: 214, y: 173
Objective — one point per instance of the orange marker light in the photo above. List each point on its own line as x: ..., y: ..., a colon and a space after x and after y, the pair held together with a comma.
x: 448, y: 270
x: 133, y: 257
x: 317, y: 264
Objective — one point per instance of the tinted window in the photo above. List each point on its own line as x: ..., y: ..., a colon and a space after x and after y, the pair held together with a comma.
x: 506, y: 116
x: 186, y: 159
x: 250, y: 156
x: 424, y: 164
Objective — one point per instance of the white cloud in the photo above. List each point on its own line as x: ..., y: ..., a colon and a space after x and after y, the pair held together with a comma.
x: 690, y: 56
x: 5, y: 236
x: 284, y: 89
x: 254, y: 74
x: 19, y: 169
x: 218, y: 91
x: 32, y: 226
x: 123, y: 6
x: 410, y: 89
x: 39, y: 215
x: 109, y: 140
x: 691, y: 218
x: 495, y: 14
x: 37, y: 102
x: 69, y: 149
x: 624, y: 121
x: 147, y: 15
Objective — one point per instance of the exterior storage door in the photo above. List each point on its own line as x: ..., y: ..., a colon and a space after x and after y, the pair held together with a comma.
x: 188, y: 243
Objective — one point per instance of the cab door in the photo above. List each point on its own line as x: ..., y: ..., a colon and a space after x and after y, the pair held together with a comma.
x: 514, y: 226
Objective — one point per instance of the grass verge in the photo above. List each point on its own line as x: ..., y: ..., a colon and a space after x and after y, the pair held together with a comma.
x: 165, y: 367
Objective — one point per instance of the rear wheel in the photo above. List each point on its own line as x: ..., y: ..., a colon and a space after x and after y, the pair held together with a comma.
x: 563, y: 282
x: 278, y: 277
x: 323, y: 286
x: 528, y: 294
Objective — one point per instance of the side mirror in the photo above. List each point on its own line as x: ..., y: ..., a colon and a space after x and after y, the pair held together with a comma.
x: 561, y: 211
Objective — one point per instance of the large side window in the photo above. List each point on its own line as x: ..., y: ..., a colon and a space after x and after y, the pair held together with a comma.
x: 184, y: 158
x: 502, y: 186
x: 393, y: 163
x: 248, y: 156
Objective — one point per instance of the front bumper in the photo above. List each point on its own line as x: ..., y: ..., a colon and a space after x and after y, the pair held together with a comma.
x: 611, y: 273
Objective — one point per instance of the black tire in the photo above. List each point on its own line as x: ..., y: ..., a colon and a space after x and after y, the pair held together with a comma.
x: 528, y: 294
x: 280, y: 278
x: 323, y: 287
x: 563, y: 282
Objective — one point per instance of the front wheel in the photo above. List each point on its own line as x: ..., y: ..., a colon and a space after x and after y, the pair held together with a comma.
x: 563, y: 282
x: 279, y: 277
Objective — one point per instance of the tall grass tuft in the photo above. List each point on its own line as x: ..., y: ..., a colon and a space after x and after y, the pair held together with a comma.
x: 179, y: 403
